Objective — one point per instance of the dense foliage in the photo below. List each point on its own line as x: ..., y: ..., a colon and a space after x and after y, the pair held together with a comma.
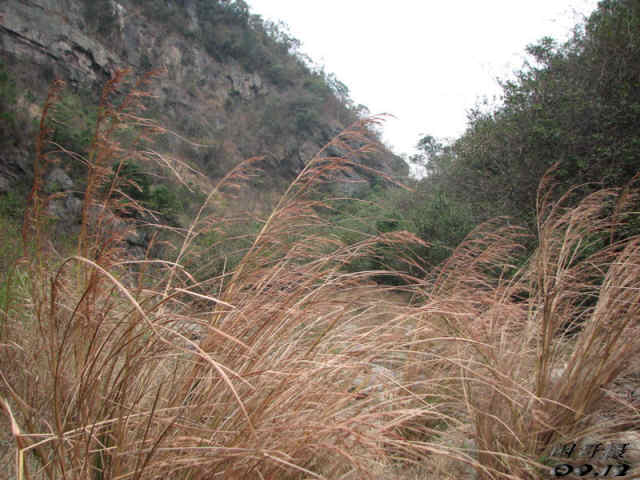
x: 576, y: 105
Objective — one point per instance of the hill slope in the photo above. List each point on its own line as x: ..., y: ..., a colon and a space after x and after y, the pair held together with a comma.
x: 234, y: 83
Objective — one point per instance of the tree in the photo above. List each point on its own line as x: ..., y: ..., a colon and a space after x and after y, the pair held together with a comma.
x: 576, y: 105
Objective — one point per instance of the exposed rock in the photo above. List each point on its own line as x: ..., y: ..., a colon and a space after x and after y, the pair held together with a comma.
x: 67, y: 209
x: 246, y: 85
x: 214, y: 101
x: 58, y: 181
x: 137, y: 253
x: 120, y: 13
x: 111, y: 225
x: 557, y: 373
x: 73, y: 206
x: 14, y: 167
x: 41, y: 32
x: 137, y: 238
x: 64, y: 207
x: 374, y: 380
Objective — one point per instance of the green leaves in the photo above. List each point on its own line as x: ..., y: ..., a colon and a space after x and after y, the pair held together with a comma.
x: 576, y: 104
x: 572, y: 104
x: 74, y: 122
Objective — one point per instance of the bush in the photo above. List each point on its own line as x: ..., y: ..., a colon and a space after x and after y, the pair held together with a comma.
x: 164, y: 200
x: 74, y: 122
x: 12, y: 205
x: 137, y: 185
x: 376, y: 215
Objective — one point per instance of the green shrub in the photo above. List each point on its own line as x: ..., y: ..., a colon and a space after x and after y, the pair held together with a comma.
x: 442, y: 221
x: 74, y: 122
x: 164, y: 200
x: 12, y: 205
x: 375, y: 214
x: 135, y: 182
x: 145, y: 62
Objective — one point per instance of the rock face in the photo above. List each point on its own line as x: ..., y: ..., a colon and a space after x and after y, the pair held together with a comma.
x: 217, y: 102
x: 49, y: 34
x: 65, y: 206
x: 15, y: 167
x: 57, y: 180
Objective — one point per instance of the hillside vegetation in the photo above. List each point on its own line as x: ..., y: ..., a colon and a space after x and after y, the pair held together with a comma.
x: 574, y: 106
x: 473, y: 324
x: 235, y: 85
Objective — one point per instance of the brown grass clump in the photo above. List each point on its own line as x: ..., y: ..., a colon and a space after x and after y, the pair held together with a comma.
x: 524, y: 359
x: 114, y: 372
x: 285, y: 366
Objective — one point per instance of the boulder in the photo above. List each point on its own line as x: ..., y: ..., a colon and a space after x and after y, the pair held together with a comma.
x: 58, y: 181
x: 67, y: 209
x: 14, y: 168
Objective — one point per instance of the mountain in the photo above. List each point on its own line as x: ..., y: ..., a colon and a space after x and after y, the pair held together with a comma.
x: 234, y: 85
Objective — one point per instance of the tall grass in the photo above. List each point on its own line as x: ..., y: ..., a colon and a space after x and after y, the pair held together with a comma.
x: 526, y: 359
x: 285, y: 365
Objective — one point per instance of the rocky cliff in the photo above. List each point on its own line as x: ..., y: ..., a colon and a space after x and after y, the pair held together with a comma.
x: 232, y: 82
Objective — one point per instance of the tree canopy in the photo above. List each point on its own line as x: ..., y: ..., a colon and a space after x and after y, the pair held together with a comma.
x: 576, y: 105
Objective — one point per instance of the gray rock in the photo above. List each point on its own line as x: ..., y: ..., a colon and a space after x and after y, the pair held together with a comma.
x: 557, y: 373
x: 68, y: 209
x: 247, y: 85
x: 73, y: 206
x: 56, y: 208
x: 5, y: 185
x: 136, y: 238
x: 45, y: 39
x: 58, y: 181
x: 14, y: 168
x: 31, y: 32
x: 112, y: 225
x: 137, y: 253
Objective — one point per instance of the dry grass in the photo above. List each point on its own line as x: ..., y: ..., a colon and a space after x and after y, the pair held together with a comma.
x: 531, y: 356
x: 288, y: 367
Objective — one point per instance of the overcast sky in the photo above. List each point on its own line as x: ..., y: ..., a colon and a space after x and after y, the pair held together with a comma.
x: 427, y: 62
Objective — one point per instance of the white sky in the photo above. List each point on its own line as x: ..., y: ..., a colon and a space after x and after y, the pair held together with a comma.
x: 427, y: 62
